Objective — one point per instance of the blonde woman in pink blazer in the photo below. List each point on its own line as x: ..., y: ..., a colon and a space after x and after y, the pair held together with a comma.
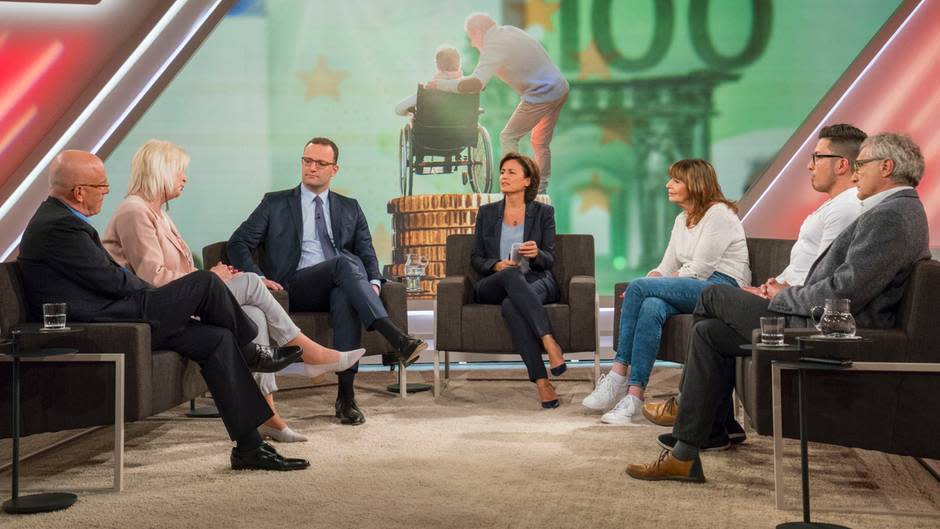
x: 142, y: 237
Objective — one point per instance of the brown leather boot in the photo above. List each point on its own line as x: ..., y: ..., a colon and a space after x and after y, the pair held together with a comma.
x: 662, y: 413
x: 667, y: 467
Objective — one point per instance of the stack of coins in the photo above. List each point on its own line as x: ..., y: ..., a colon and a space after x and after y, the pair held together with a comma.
x: 421, y: 224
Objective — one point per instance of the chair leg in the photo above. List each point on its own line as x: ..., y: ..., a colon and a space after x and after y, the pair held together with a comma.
x: 446, y: 366
x: 596, y: 374
x: 437, y: 373
x: 402, y: 380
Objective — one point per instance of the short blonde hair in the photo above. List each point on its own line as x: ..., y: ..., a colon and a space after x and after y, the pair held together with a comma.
x: 154, y: 169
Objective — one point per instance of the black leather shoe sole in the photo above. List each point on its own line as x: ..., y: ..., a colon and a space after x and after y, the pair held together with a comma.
x: 286, y: 356
x: 261, y: 459
x: 410, y: 352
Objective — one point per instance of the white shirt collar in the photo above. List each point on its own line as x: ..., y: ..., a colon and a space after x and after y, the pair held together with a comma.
x: 878, y: 198
x: 309, y: 195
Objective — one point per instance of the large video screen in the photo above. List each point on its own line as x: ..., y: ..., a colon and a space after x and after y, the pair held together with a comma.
x: 650, y: 83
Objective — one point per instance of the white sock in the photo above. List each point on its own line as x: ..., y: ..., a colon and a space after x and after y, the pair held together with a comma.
x: 285, y: 436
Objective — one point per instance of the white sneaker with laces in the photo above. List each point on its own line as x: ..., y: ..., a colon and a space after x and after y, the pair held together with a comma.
x: 623, y: 411
x: 607, y: 393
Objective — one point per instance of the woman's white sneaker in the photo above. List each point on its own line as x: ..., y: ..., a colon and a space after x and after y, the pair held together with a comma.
x: 610, y: 389
x: 623, y: 411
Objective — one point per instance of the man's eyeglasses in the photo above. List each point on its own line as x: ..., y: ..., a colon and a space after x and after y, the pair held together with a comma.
x: 319, y: 163
x: 859, y: 163
x: 96, y: 186
x: 817, y: 156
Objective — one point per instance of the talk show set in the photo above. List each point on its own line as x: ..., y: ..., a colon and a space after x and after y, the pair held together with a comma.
x: 604, y: 264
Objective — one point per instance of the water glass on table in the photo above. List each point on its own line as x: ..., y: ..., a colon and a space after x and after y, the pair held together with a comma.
x: 54, y: 316
x: 771, y: 330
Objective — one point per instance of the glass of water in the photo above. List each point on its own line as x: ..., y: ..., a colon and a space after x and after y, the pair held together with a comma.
x: 771, y: 330
x: 53, y: 316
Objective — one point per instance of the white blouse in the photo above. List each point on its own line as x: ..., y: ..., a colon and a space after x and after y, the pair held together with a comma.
x: 715, y: 244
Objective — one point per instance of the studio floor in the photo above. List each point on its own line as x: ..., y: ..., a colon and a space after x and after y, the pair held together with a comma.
x: 482, y: 455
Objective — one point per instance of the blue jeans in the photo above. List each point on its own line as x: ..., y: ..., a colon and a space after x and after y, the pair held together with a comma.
x: 646, y: 305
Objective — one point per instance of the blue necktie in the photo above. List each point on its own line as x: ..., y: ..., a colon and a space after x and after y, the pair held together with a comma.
x: 325, y: 243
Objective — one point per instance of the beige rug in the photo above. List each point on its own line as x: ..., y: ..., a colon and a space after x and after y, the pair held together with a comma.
x: 483, y: 455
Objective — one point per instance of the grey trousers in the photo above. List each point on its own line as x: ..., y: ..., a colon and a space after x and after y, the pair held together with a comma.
x: 540, y: 119
x: 724, y: 319
x: 272, y: 320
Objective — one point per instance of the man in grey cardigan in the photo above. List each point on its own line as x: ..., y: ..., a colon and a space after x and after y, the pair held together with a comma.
x: 869, y: 263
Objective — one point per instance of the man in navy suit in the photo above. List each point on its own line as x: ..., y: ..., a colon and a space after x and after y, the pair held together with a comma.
x: 317, y: 246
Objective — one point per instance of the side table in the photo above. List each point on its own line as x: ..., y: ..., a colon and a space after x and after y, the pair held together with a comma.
x: 46, y: 502
x: 801, y: 367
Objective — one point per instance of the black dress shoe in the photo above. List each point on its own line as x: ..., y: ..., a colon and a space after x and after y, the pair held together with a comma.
x: 264, y: 457
x: 410, y: 350
x: 735, y: 432
x: 269, y: 359
x: 717, y: 444
x: 348, y: 412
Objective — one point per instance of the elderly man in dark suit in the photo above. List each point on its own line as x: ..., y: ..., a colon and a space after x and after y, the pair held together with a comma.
x: 869, y: 263
x: 318, y: 247
x: 62, y: 260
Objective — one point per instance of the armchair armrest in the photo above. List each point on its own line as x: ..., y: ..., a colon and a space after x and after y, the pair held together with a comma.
x: 395, y: 299
x: 582, y: 292
x: 619, y: 289
x: 453, y: 292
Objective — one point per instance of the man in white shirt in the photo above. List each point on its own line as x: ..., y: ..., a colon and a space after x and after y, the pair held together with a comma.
x: 521, y: 62
x: 831, y: 167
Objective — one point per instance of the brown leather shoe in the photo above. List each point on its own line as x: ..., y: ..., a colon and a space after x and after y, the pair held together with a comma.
x: 667, y: 467
x: 662, y: 413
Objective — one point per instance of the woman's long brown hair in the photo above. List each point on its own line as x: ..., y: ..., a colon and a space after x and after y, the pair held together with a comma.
x: 701, y: 181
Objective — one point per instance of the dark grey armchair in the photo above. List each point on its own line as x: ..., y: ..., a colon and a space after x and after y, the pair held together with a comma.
x: 465, y: 326
x: 317, y: 325
x: 64, y: 396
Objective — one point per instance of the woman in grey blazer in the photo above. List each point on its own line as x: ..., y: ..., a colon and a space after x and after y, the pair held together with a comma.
x: 521, y: 280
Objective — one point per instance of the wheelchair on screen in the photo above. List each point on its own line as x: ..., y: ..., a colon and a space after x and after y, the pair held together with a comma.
x: 445, y: 137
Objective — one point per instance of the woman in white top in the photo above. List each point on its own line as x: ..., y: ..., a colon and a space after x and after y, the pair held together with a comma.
x: 707, y: 246
x: 142, y: 237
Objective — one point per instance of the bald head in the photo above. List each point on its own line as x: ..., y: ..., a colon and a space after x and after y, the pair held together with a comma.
x: 78, y: 179
x: 476, y: 26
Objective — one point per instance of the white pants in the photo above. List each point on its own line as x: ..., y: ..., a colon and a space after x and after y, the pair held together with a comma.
x: 272, y: 320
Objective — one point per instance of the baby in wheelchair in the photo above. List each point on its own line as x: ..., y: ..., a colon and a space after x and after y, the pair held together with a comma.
x: 447, y: 59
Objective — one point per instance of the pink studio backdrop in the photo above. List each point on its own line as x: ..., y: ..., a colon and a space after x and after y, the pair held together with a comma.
x: 898, y: 90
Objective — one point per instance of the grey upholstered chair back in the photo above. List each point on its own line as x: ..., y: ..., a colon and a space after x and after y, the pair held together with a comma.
x: 768, y: 257
x: 12, y: 305
x: 574, y: 256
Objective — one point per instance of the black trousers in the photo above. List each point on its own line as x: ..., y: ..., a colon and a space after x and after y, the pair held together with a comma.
x: 522, y: 296
x: 341, y: 286
x: 216, y: 342
x: 725, y: 317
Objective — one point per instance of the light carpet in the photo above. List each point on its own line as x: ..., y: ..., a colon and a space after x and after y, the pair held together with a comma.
x: 482, y: 455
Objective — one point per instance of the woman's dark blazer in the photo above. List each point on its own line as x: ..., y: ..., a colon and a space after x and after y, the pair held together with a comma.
x: 539, y: 227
